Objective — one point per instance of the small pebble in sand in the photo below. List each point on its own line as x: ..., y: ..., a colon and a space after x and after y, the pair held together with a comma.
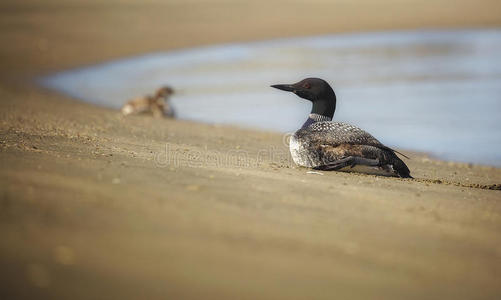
x: 313, y: 172
x: 116, y: 181
x: 192, y: 187
x: 64, y: 255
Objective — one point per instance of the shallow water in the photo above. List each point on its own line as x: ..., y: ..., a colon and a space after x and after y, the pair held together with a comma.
x: 432, y: 91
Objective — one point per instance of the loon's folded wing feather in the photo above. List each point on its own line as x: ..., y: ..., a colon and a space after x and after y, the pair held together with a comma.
x: 336, y: 133
x: 328, y: 153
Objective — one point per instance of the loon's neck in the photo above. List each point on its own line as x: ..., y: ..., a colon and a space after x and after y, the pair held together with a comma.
x: 313, y: 118
x: 323, y: 108
x: 324, y: 103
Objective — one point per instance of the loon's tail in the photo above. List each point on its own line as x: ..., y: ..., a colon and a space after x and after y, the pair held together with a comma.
x: 401, y: 168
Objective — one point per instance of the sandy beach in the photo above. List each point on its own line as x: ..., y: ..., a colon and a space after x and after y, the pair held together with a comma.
x: 97, y: 206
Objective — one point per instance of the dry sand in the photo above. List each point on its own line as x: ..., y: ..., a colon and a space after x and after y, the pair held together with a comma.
x: 97, y: 206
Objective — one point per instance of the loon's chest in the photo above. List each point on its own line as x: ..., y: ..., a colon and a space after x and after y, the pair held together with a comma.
x: 300, y: 153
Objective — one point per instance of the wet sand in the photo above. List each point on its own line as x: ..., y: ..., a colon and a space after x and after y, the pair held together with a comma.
x: 94, y: 205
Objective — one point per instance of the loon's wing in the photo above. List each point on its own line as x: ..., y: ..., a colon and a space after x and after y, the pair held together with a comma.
x: 336, y: 133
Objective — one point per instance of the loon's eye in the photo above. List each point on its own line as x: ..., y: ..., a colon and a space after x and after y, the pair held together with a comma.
x: 307, y: 86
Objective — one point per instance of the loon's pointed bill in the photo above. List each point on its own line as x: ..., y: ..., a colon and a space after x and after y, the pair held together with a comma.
x: 284, y: 87
x: 326, y: 145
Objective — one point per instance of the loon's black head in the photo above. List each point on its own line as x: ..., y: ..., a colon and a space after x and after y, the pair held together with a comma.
x: 317, y: 91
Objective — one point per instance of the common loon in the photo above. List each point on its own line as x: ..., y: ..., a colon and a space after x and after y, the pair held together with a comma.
x: 157, y: 105
x: 325, y: 145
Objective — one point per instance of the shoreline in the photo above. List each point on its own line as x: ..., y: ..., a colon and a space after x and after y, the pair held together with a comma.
x: 64, y: 82
x: 86, y: 211
x: 428, y: 156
